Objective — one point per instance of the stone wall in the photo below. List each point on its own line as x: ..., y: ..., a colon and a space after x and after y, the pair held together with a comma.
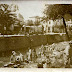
x: 23, y: 42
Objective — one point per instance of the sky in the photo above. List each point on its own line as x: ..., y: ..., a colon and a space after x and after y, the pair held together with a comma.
x: 30, y: 8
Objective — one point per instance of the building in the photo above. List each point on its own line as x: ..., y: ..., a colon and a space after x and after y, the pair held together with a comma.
x: 57, y: 26
x: 48, y: 26
x: 69, y: 24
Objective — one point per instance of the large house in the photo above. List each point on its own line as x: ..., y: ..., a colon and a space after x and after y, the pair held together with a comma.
x: 57, y: 26
x: 49, y: 26
x: 69, y: 24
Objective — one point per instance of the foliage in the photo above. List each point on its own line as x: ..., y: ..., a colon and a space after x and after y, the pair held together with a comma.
x: 37, y: 20
x: 21, y: 19
x: 54, y: 11
x: 29, y: 23
x: 8, y: 17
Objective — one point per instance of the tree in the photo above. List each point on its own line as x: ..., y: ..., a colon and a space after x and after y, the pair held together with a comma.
x: 21, y: 19
x: 6, y: 17
x: 37, y: 21
x: 56, y: 11
x: 29, y: 23
x: 14, y: 8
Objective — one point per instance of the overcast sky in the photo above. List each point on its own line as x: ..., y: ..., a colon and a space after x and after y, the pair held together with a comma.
x: 30, y: 8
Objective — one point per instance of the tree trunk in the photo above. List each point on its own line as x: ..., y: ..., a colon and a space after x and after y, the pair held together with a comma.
x: 66, y: 29
x: 70, y: 54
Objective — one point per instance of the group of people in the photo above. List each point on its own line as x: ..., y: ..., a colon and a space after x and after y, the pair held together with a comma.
x: 19, y: 57
x: 16, y: 57
x: 31, y: 55
x: 44, y: 54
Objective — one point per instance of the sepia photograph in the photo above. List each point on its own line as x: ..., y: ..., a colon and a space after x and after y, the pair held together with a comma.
x: 35, y: 34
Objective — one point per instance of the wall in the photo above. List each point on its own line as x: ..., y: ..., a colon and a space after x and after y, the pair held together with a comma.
x: 23, y: 42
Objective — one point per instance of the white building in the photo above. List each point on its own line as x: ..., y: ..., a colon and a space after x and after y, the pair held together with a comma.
x: 48, y: 26
x: 69, y: 24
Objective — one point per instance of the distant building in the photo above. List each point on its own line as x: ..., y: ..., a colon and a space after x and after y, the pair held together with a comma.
x: 32, y: 29
x: 48, y: 26
x: 69, y: 24
x: 57, y: 26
